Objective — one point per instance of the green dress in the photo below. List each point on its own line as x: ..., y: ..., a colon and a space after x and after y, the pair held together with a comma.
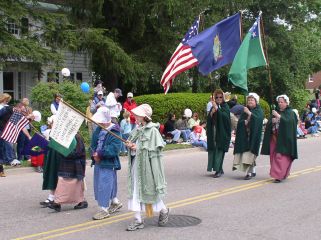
x: 286, y: 142
x: 50, y: 169
x: 248, y: 139
x: 218, y: 137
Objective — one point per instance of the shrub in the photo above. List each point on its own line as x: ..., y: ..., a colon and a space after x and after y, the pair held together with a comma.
x: 42, y: 97
x: 177, y: 102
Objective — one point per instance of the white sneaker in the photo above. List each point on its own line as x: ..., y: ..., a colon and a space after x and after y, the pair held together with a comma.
x: 15, y: 162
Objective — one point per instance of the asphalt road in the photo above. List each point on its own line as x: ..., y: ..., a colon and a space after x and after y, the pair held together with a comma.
x: 228, y: 207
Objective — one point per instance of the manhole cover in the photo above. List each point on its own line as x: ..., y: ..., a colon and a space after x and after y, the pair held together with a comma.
x: 176, y: 221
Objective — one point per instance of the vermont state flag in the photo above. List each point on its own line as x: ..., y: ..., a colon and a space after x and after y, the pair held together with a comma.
x: 249, y: 55
x: 216, y: 46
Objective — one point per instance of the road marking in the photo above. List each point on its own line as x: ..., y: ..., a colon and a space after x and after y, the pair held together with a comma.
x: 181, y: 203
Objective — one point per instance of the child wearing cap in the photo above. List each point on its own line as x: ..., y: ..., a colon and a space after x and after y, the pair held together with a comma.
x: 146, y: 186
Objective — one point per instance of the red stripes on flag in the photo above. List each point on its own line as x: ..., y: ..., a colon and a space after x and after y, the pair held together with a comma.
x: 13, y: 127
x: 181, y: 60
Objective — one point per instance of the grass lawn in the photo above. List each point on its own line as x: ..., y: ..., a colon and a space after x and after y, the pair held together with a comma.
x: 169, y: 147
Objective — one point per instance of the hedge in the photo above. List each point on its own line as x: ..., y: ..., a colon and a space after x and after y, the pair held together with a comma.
x: 176, y: 103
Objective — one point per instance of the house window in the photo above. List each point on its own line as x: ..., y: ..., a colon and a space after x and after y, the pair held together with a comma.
x: 19, y: 85
x: 24, y: 25
x: 8, y: 85
x: 12, y: 27
x: 72, y: 77
x: 53, y: 77
x: 79, y: 76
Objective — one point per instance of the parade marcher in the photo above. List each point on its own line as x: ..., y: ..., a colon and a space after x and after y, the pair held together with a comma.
x: 248, y: 137
x: 23, y: 140
x: 114, y: 106
x: 55, y: 104
x: 146, y: 178
x: 280, y: 140
x: 50, y: 168
x: 105, y: 149
x: 218, y: 133
x: 71, y: 173
x: 125, y: 128
x: 5, y: 113
x: 130, y: 104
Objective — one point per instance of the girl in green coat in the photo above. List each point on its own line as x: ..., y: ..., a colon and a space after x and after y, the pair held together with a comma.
x: 146, y: 178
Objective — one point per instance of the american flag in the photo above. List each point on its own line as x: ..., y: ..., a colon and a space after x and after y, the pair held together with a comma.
x: 182, y: 59
x: 15, y: 124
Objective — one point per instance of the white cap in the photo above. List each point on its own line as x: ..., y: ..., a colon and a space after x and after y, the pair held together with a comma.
x: 130, y: 94
x: 255, y: 96
x: 100, y: 93
x: 188, y: 112
x: 102, y: 115
x: 314, y: 110
x: 37, y: 116
x: 285, y: 97
x: 143, y: 110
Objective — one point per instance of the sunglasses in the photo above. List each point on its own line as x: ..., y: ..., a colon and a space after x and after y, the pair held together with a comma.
x: 218, y: 97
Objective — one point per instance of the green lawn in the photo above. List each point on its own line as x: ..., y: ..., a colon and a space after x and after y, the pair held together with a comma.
x: 169, y: 147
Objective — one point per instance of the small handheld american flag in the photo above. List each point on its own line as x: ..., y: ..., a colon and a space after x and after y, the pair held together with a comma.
x: 15, y: 124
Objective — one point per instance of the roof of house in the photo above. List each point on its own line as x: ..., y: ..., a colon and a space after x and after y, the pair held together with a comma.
x: 314, y: 81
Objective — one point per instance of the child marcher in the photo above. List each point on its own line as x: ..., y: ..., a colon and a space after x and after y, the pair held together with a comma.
x: 105, y: 149
x: 146, y: 187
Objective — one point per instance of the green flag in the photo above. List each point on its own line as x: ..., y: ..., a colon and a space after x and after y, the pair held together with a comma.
x: 61, y: 149
x: 249, y: 55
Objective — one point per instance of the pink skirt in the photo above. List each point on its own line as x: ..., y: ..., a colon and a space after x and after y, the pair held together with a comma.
x: 69, y: 191
x: 280, y: 163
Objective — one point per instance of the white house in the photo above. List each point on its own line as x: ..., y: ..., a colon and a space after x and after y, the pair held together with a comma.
x: 19, y: 79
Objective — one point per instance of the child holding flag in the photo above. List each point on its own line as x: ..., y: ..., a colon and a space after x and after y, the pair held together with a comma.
x: 146, y: 178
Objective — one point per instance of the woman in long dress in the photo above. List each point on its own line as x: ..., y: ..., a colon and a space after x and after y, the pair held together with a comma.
x: 280, y: 140
x: 248, y: 137
x: 218, y: 133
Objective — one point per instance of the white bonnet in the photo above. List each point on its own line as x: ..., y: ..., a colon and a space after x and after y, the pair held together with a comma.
x: 286, y: 98
x: 255, y: 96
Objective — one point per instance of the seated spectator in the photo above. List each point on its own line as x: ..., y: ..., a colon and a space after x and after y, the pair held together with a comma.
x: 182, y: 125
x: 311, y: 124
x: 300, y: 133
x: 197, y: 138
x: 170, y: 128
x: 193, y: 121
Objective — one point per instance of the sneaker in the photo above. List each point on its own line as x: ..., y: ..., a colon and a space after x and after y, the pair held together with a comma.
x: 55, y: 206
x: 114, y: 207
x: 247, y: 177
x: 2, y: 174
x: 15, y: 162
x: 163, y: 218
x: 81, y: 205
x: 39, y: 169
x: 46, y: 203
x: 101, y: 215
x: 135, y: 226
